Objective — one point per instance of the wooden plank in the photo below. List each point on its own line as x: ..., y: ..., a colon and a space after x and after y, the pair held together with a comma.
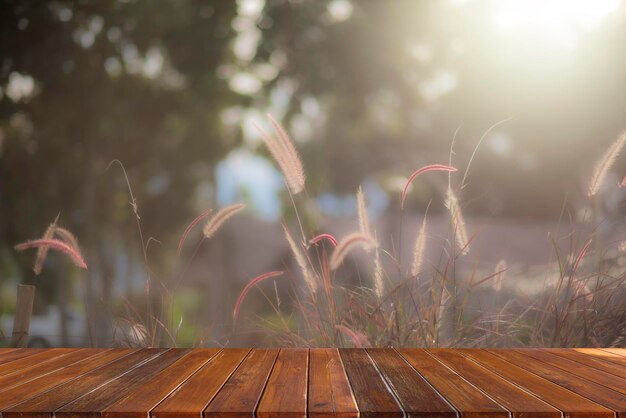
x: 417, y: 397
x: 39, y: 357
x: 466, y: 398
x: 373, y: 396
x: 329, y: 394
x: 604, y: 355
x: 591, y: 361
x: 286, y: 388
x: 148, y: 396
x: 44, y: 383
x: 18, y: 353
x: 39, y: 369
x: 190, y: 399
x: 618, y: 351
x: 519, y: 402
x: 93, y: 403
x: 611, y: 381
x: 593, y: 391
x: 241, y: 393
x: 571, y: 404
x: 43, y: 405
x: 5, y: 350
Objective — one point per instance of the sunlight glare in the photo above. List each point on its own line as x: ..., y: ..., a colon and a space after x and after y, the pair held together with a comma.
x: 556, y: 21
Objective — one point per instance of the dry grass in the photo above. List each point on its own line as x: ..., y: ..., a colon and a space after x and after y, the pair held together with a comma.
x: 425, y: 303
x: 439, y: 308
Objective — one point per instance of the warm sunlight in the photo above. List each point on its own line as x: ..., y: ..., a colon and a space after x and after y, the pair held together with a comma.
x: 554, y: 22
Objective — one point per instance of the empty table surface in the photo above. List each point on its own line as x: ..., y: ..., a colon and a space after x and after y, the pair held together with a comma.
x: 241, y: 382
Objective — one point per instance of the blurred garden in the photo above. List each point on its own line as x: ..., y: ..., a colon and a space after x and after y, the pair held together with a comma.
x: 142, y: 127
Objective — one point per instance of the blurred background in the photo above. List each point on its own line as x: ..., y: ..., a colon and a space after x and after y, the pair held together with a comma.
x: 369, y: 90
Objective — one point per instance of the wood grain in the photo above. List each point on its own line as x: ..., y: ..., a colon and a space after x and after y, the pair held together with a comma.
x: 286, y: 388
x: 93, y: 403
x: 417, y: 397
x: 296, y: 383
x: 39, y: 369
x: 154, y: 390
x: 466, y: 398
x: 329, y: 394
x: 43, y: 405
x: 38, y: 357
x: 240, y: 395
x: 13, y: 354
x: 591, y: 361
x: 598, y: 353
x: 609, y: 380
x: 593, y: 391
x: 373, y: 396
x: 519, y: 402
x: 193, y: 396
x: 571, y: 404
x: 27, y: 390
x: 618, y: 351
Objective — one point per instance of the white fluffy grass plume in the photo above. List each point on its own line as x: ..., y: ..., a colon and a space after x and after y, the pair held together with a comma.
x: 458, y: 223
x: 604, y: 165
x: 379, y: 283
x: 302, y: 262
x: 285, y: 154
x: 418, y: 250
x: 364, y: 222
x: 213, y: 224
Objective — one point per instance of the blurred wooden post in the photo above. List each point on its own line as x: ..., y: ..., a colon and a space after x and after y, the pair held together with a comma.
x: 23, y: 311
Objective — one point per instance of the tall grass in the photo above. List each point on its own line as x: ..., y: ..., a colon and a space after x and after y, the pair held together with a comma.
x: 424, y: 302
x: 429, y: 304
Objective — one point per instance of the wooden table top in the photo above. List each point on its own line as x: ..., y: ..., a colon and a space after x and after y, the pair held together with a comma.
x: 115, y: 383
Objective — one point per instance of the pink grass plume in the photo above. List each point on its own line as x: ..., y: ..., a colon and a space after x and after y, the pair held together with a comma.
x: 42, y: 251
x: 321, y: 237
x: 432, y: 167
x: 193, y: 223
x: 249, y: 286
x: 349, y: 242
x: 54, y: 244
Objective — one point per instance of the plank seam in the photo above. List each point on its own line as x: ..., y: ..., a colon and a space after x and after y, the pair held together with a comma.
x: 149, y: 412
x: 470, y: 383
x: 566, y: 373
x: 345, y: 373
x: 523, y: 389
x: 67, y: 381
x: 456, y: 410
x: 387, y: 385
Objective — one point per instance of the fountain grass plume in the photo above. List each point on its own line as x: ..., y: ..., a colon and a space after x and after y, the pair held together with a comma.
x: 302, y: 262
x: 458, y: 223
x: 418, y: 250
x: 67, y: 237
x: 426, y: 169
x: 321, y: 237
x: 191, y: 225
x: 286, y: 156
x: 42, y: 251
x: 249, y: 286
x: 347, y: 244
x: 55, y: 244
x: 604, y: 165
x: 364, y: 223
x: 220, y: 217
